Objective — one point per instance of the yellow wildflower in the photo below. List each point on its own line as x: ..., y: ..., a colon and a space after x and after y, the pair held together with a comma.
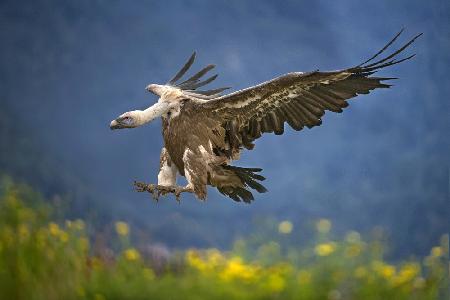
x: 236, y: 269
x: 63, y: 236
x: 53, y: 228
x: 194, y: 260
x: 407, y: 273
x: 388, y: 271
x: 325, y: 249
x: 122, y: 228
x: 436, y: 251
x: 214, y: 258
x: 323, y: 225
x: 304, y: 277
x: 132, y: 254
x: 383, y: 269
x: 285, y: 227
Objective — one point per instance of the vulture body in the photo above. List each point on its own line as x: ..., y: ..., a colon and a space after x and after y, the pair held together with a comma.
x: 205, y: 131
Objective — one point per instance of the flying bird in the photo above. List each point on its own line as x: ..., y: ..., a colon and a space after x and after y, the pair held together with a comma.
x: 204, y: 131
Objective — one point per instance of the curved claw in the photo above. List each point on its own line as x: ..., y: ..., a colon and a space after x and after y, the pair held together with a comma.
x: 151, y: 188
x: 140, y: 186
x: 177, y: 192
x: 163, y: 190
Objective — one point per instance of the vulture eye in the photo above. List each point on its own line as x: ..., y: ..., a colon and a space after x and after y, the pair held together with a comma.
x: 127, y: 120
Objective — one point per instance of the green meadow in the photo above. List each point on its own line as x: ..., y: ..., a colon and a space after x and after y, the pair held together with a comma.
x: 44, y: 259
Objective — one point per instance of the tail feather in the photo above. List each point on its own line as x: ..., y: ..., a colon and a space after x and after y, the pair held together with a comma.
x: 238, y: 194
x: 248, y: 179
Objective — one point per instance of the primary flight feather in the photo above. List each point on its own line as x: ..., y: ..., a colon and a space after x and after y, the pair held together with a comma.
x: 204, y: 131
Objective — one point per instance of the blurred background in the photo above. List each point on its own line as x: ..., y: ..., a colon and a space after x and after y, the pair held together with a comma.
x: 67, y: 68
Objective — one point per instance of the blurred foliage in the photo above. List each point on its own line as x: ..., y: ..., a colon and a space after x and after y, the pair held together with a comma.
x: 42, y: 259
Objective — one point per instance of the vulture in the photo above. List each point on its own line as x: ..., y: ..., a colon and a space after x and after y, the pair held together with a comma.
x: 204, y: 131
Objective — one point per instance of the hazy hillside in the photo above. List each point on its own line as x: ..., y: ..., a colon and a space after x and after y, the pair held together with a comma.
x: 67, y: 68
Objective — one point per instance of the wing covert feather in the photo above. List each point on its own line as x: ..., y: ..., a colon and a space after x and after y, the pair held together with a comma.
x: 299, y: 99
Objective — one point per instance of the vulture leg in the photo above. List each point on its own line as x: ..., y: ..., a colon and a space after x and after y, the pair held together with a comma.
x: 167, y: 180
x: 158, y: 190
x: 167, y: 175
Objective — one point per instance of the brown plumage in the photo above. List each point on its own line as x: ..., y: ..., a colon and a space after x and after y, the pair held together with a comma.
x: 204, y: 131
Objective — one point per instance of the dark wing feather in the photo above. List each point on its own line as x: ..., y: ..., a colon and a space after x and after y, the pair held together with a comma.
x: 300, y: 99
x: 183, y: 70
x: 190, y: 85
x: 194, y: 79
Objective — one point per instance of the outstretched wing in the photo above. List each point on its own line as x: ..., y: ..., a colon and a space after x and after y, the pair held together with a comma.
x: 300, y: 99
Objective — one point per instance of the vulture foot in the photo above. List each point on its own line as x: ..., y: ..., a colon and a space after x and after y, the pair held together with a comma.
x: 158, y: 190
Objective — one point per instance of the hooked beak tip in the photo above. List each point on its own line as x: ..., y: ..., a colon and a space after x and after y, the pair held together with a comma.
x: 114, y: 125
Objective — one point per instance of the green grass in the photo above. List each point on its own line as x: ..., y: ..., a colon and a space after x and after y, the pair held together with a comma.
x: 40, y: 259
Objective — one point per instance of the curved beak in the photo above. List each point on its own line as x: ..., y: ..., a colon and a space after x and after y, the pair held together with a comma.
x: 114, y: 125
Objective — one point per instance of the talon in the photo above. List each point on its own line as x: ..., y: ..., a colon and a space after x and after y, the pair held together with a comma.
x: 139, y: 186
x: 163, y: 190
x: 158, y: 190
x: 177, y: 193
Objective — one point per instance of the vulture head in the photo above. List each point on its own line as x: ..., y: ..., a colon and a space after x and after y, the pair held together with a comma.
x: 171, y: 97
x: 136, y: 118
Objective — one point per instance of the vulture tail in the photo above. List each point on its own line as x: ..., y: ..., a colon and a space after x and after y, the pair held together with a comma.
x: 248, y: 178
